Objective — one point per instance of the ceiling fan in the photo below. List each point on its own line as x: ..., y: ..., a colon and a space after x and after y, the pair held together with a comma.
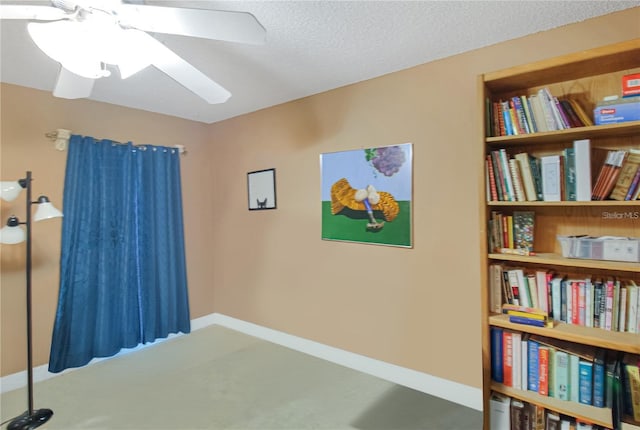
x: 86, y: 35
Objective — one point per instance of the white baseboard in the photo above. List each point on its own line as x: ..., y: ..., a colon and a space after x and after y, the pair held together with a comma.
x: 438, y: 387
x: 455, y: 392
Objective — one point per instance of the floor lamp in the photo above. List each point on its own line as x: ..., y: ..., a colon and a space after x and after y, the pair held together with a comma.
x: 12, y: 233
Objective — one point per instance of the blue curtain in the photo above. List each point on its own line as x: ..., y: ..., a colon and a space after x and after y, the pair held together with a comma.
x: 123, y: 277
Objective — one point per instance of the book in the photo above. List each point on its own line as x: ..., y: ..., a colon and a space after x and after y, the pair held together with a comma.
x: 516, y: 340
x: 493, y: 187
x: 496, y: 340
x: 626, y: 176
x: 517, y: 414
x: 526, y: 104
x: 631, y: 378
x: 569, y: 173
x: 516, y: 179
x: 561, y: 371
x: 504, y: 159
x: 499, y: 412
x: 548, y: 109
x: 603, y: 173
x: 495, y: 287
x: 499, y: 176
x: 541, y: 285
x: 632, y: 317
x: 533, y: 365
x: 538, y: 113
x: 524, y: 225
x: 524, y: 164
x: 586, y: 119
x: 507, y: 358
x: 537, y: 175
x: 552, y: 421
x: 634, y: 188
x: 528, y: 321
x: 611, y: 176
x: 599, y: 379
x: 585, y: 395
x: 506, y: 307
x: 543, y: 370
x: 582, y: 151
x: 574, y: 378
x: 550, y: 173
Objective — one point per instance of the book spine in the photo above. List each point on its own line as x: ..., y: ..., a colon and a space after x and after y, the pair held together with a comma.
x: 497, y: 171
x: 543, y: 370
x: 533, y: 365
x: 598, y: 380
x: 493, y: 195
x: 586, y: 382
x: 507, y: 358
x: 633, y: 186
x: 561, y: 380
x: 496, y: 354
x: 574, y: 378
x: 504, y: 158
x: 526, y: 321
x: 528, y: 111
x: 516, y: 179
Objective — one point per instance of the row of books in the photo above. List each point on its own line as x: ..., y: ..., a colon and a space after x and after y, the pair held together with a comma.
x: 508, y: 413
x: 579, y: 173
x: 534, y: 113
x: 511, y: 232
x: 567, y: 371
x: 610, y: 304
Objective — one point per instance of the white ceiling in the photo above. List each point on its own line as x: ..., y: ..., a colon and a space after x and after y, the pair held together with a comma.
x: 312, y: 46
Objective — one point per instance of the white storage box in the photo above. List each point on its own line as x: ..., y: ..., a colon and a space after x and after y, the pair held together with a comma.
x: 601, y: 248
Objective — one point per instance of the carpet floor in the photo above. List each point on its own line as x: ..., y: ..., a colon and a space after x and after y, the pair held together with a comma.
x: 217, y: 378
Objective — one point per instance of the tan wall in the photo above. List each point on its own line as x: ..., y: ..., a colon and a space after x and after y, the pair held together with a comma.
x: 403, y: 306
x: 26, y: 116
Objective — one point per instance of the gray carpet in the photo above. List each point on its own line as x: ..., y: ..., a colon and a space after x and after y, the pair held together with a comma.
x: 216, y: 378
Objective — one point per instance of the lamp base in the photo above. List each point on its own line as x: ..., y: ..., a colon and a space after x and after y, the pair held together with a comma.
x: 26, y: 421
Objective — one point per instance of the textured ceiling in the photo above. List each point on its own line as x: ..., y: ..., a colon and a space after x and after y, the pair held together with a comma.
x: 312, y: 46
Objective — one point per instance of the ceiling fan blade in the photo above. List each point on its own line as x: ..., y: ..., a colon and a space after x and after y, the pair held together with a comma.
x: 71, y: 86
x: 230, y: 26
x: 181, y: 71
x: 42, y: 13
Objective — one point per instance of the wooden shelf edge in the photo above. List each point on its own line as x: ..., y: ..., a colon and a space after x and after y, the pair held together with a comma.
x: 599, y: 416
x: 593, y: 131
x: 626, y: 342
x: 593, y: 203
x: 551, y: 259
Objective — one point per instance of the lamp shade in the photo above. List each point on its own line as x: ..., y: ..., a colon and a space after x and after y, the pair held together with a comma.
x: 46, y: 210
x: 10, y: 190
x: 12, y: 233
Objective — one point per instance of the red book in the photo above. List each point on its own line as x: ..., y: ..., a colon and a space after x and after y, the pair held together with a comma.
x: 507, y: 358
x: 543, y: 370
x: 492, y: 180
x: 575, y: 295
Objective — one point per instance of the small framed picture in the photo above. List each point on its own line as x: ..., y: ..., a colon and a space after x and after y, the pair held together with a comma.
x: 261, y: 187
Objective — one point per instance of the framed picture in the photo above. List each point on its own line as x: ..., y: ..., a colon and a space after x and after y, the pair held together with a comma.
x: 261, y: 187
x: 367, y: 195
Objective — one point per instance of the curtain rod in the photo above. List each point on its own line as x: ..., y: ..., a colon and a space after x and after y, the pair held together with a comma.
x: 61, y: 138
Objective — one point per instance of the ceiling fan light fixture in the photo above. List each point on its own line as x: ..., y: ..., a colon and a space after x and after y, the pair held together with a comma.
x: 65, y: 43
x: 85, y: 47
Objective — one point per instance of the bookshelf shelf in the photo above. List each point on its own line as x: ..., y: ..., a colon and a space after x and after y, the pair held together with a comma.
x: 550, y: 259
x: 595, y: 204
x: 627, y: 342
x: 568, y: 135
x: 600, y: 416
x: 581, y: 79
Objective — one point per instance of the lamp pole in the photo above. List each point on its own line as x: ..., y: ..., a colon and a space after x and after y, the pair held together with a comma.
x: 30, y: 419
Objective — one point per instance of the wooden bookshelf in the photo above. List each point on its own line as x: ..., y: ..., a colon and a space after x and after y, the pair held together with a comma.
x: 586, y: 76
